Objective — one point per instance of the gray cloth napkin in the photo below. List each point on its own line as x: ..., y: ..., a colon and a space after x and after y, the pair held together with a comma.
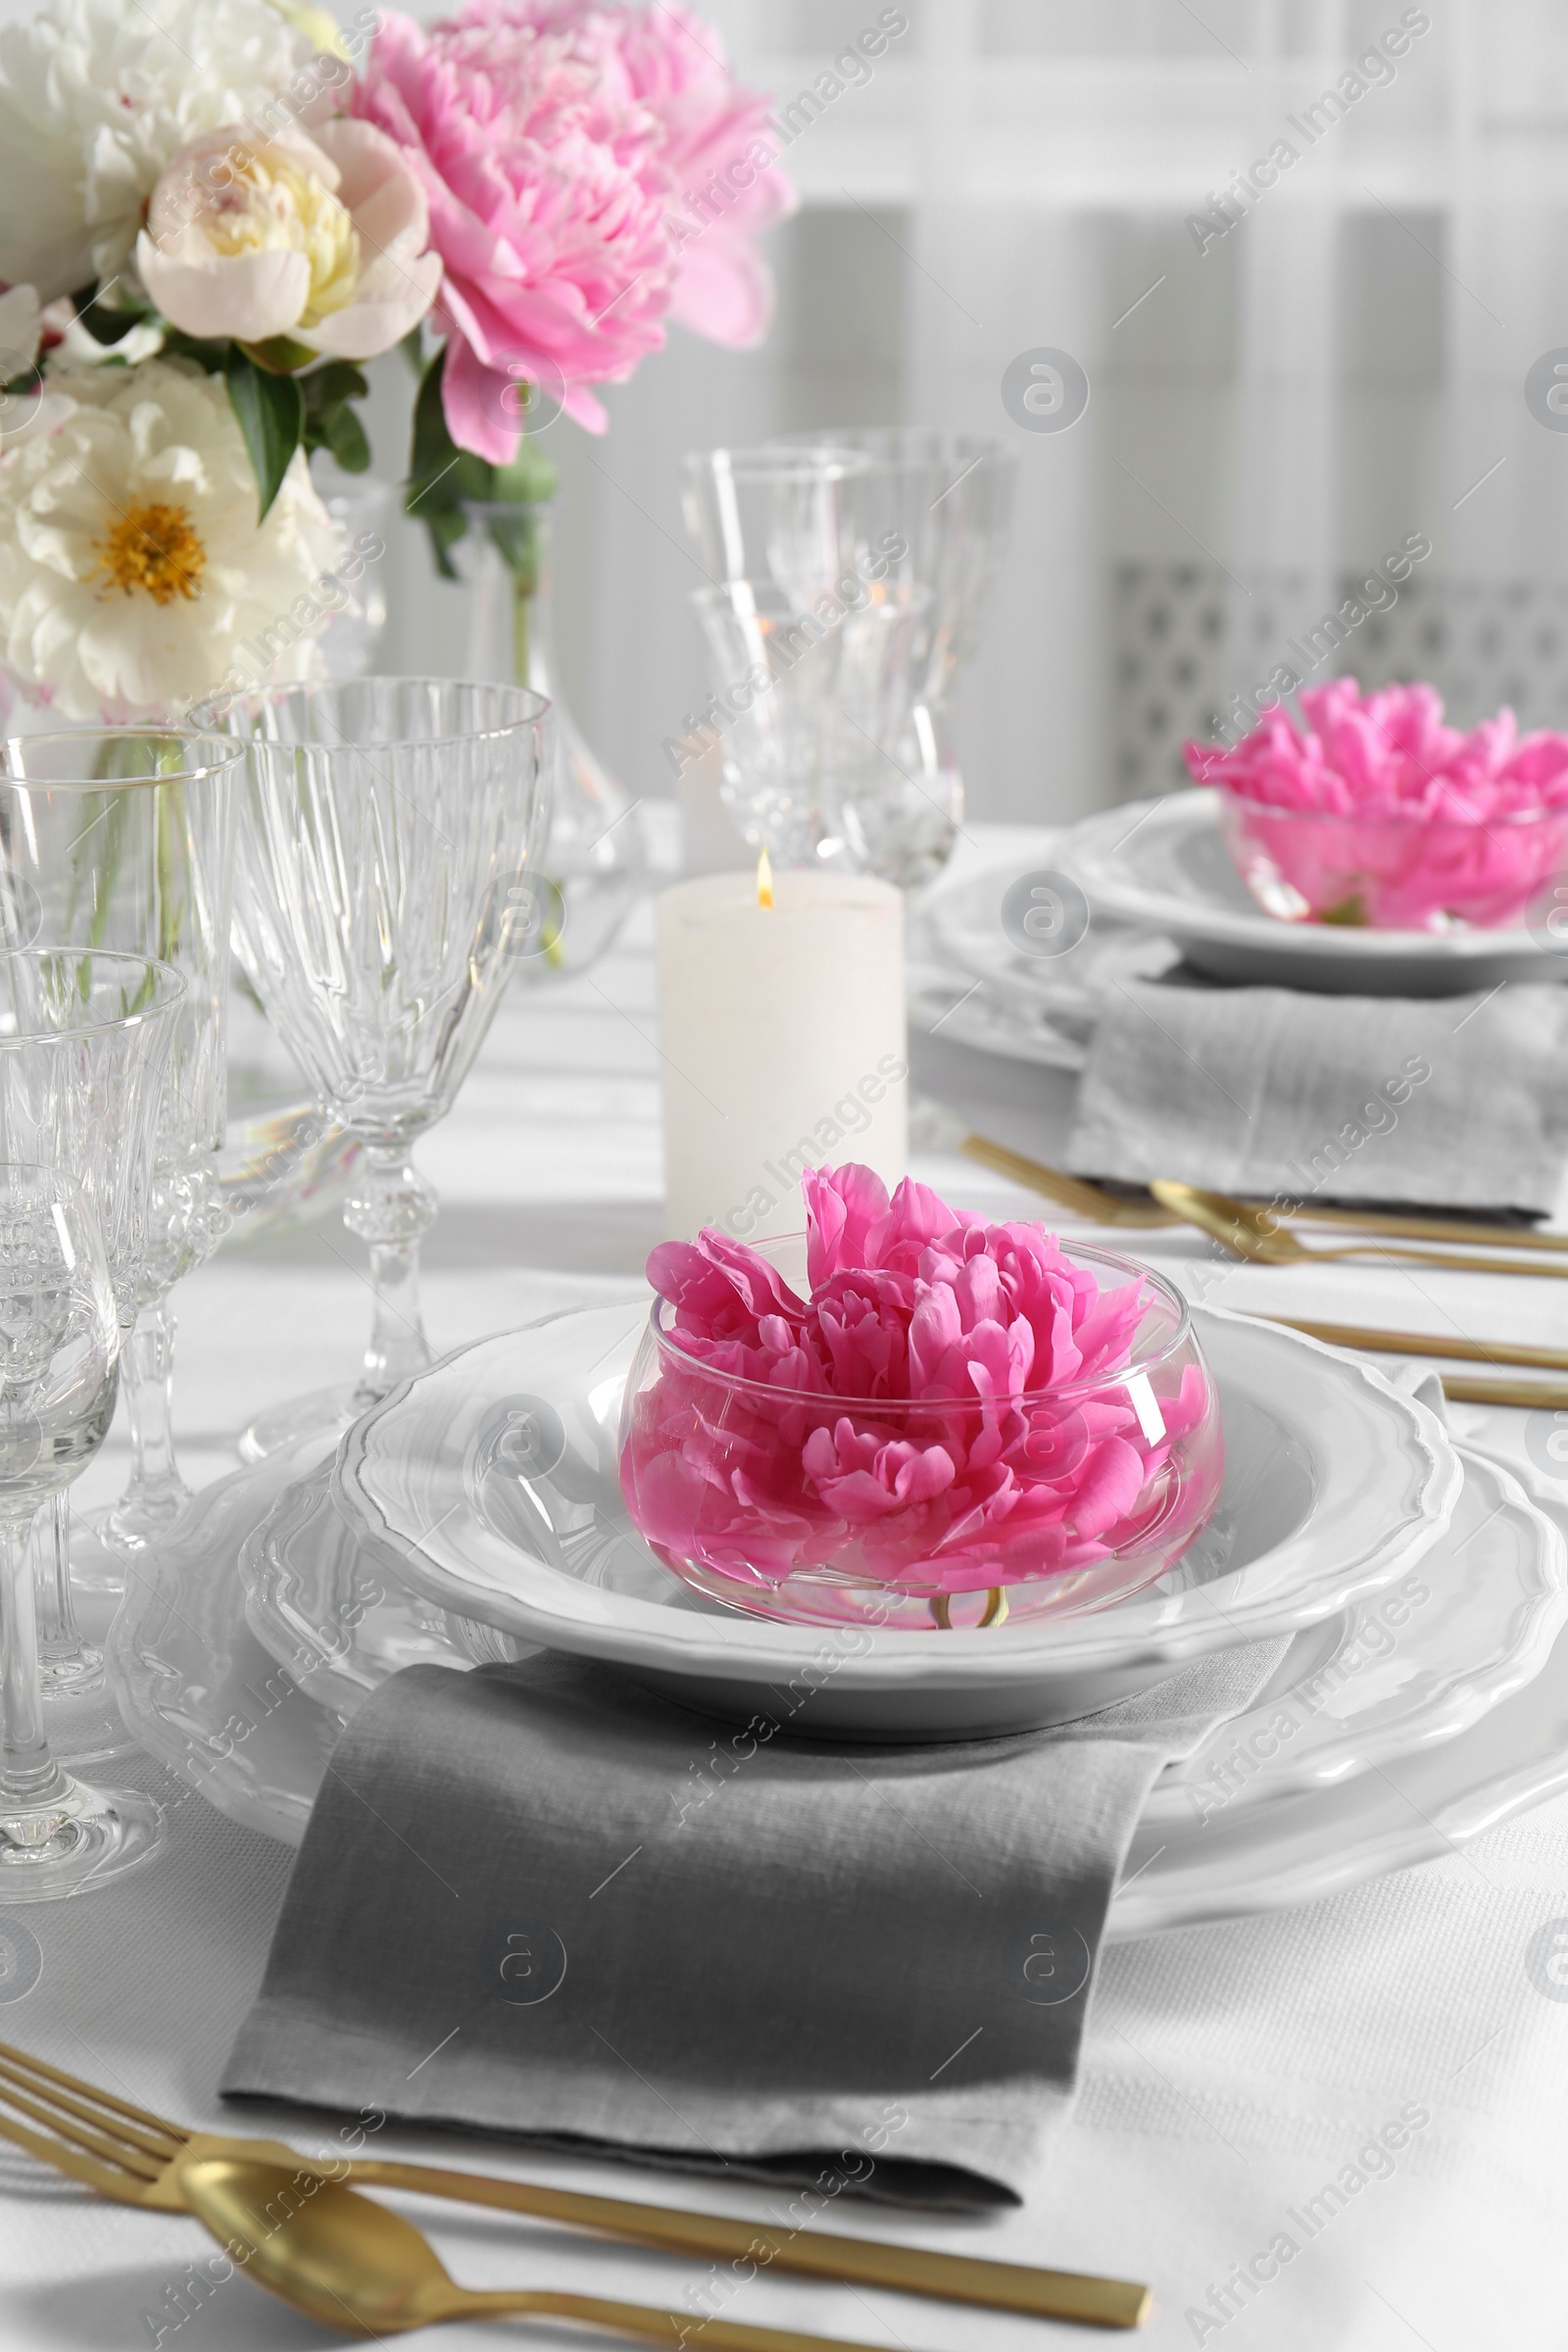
x: 1461, y: 1100
x: 541, y: 1900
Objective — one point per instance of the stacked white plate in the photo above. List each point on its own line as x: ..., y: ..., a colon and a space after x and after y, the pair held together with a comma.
x: 1423, y: 1694
x: 1158, y: 885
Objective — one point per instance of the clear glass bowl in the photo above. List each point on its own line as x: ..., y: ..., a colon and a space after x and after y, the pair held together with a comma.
x: 836, y: 1510
x: 1392, y: 873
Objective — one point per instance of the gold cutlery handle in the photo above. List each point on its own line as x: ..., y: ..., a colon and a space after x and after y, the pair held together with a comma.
x: 1423, y: 1229
x: 1074, y: 1193
x: 1426, y: 1342
x: 1528, y: 1394
x: 647, y: 2326
x: 812, y: 2253
x: 1452, y: 1260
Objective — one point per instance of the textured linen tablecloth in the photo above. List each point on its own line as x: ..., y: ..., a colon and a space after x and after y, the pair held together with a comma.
x: 1231, y: 2074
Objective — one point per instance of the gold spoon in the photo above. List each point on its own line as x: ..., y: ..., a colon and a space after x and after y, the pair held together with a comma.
x: 1251, y: 1233
x: 357, y: 2266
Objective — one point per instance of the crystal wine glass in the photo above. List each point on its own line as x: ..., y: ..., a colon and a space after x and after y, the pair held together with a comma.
x: 793, y: 516
x: 85, y: 1039
x: 58, y: 1366
x: 817, y: 704
x: 947, y: 497
x: 122, y: 837
x: 387, y: 862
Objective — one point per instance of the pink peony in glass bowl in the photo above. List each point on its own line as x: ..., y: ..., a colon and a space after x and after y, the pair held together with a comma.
x: 1378, y: 815
x: 962, y: 1422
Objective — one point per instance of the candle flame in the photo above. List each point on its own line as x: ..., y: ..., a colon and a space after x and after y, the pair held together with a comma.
x: 764, y: 880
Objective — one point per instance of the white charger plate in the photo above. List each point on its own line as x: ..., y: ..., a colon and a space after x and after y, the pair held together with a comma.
x: 1163, y: 866
x: 1470, y: 1623
x: 192, y: 1681
x: 204, y: 1695
x: 1335, y: 1482
x: 331, y: 1604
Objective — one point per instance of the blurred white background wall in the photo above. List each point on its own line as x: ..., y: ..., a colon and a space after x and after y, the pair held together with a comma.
x: 1270, y: 415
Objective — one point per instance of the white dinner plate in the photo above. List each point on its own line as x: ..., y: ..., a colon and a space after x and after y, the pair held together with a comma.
x: 1335, y: 1482
x: 202, y: 1693
x: 1416, y: 1663
x: 1163, y: 866
x: 976, y: 987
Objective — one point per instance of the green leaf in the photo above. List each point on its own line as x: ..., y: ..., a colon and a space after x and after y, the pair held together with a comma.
x: 329, y: 386
x: 280, y: 355
x: 530, y: 477
x: 271, y: 417
x: 345, y: 436
x: 104, y: 323
x: 211, y: 358
x: 329, y: 421
x: 442, y: 478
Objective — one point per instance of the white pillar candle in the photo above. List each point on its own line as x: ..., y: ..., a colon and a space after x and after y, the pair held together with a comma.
x: 782, y: 1032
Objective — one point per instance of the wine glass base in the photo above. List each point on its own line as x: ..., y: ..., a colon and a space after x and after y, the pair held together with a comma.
x: 84, y: 1728
x: 70, y: 1673
x: 139, y: 1522
x: 316, y: 1415
x: 97, y: 1563
x: 102, y: 1833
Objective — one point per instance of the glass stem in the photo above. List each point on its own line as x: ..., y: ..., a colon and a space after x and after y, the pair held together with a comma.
x: 389, y: 1209
x: 30, y: 1778
x: 147, y: 1375
x: 522, y: 588
x: 50, y: 1546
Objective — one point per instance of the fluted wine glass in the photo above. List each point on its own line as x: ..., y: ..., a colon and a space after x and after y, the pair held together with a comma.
x: 60, y: 1343
x: 85, y: 1039
x: 121, y: 837
x: 387, y: 883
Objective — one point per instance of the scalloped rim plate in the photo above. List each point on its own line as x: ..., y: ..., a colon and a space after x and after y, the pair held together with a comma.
x: 1142, y: 863
x: 1378, y: 1481
x: 189, y: 1673
x: 1408, y: 1667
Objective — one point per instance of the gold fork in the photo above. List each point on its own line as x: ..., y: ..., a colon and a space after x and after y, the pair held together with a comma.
x: 1096, y: 1203
x: 127, y: 2153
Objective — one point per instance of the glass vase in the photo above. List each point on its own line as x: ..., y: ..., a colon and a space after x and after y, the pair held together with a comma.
x: 595, y: 859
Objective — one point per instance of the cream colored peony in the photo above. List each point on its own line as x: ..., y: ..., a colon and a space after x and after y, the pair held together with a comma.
x: 133, y: 572
x: 96, y: 96
x: 26, y: 406
x: 320, y: 240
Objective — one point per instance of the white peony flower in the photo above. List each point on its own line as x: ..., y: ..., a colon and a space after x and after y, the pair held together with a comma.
x: 317, y: 240
x: 97, y: 95
x: 25, y: 406
x: 135, y: 577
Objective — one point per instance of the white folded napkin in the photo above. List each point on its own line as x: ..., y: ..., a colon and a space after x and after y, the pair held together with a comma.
x: 1265, y: 1092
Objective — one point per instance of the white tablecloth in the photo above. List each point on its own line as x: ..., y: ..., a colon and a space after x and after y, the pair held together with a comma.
x: 1230, y: 2072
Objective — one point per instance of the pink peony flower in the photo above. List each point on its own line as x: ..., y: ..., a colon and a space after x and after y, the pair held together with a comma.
x: 1437, y: 829
x: 951, y: 1410
x: 552, y: 138
x: 718, y: 153
x: 1389, y: 753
